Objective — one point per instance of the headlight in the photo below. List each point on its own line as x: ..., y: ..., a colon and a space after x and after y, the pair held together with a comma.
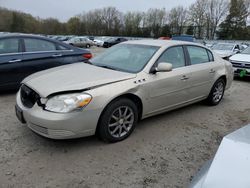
x: 68, y: 102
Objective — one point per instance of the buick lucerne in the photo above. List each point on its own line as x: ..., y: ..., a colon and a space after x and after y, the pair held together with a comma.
x: 128, y: 82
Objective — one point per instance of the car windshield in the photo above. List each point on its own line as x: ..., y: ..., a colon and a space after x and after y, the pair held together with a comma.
x: 246, y: 51
x: 223, y: 47
x: 125, y: 57
x: 73, y: 39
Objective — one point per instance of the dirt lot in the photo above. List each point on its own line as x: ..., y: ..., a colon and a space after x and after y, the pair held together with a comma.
x: 164, y: 151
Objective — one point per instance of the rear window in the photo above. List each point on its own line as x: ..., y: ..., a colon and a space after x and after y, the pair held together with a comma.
x: 9, y: 46
x: 36, y: 45
x: 198, y: 55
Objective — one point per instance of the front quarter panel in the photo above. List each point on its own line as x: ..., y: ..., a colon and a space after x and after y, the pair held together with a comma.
x: 103, y: 95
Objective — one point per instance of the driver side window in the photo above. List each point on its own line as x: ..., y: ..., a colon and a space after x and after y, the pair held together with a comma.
x: 173, y: 55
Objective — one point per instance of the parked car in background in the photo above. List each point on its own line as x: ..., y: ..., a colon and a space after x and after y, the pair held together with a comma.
x: 22, y: 55
x: 130, y: 81
x: 226, y: 50
x: 230, y: 166
x: 164, y: 38
x: 99, y: 41
x: 91, y: 38
x: 188, y: 38
x: 241, y: 63
x: 82, y: 42
x: 65, y: 38
x: 113, y: 41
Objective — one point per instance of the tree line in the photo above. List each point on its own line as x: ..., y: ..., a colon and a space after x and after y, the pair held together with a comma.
x: 209, y: 19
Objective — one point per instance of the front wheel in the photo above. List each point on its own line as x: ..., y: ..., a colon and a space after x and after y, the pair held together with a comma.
x: 118, y: 120
x: 217, y: 92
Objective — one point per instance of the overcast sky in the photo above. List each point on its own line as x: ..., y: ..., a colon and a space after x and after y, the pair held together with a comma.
x: 64, y: 9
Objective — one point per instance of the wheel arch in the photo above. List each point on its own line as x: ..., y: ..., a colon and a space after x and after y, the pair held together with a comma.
x: 224, y: 78
x: 134, y: 98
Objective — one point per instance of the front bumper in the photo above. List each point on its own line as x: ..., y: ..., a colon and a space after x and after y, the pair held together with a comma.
x: 237, y: 71
x: 60, y: 125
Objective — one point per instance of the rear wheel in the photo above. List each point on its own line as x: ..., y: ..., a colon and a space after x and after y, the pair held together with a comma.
x: 87, y: 46
x: 217, y: 92
x: 118, y: 120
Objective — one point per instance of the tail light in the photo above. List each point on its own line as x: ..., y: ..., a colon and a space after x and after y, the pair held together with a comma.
x: 87, y: 55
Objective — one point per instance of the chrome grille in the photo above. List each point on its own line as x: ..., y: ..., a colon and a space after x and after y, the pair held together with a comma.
x: 245, y: 65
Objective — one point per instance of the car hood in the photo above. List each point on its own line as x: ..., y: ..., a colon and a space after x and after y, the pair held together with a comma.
x: 78, y: 76
x: 230, y: 166
x: 223, y: 53
x: 241, y: 57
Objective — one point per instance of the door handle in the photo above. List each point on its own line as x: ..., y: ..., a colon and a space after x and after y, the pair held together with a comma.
x: 184, y: 78
x: 57, y: 55
x: 14, y: 60
x: 212, y: 71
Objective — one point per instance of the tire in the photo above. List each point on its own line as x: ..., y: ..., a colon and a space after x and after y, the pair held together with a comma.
x: 87, y: 46
x: 112, y: 126
x: 217, y: 92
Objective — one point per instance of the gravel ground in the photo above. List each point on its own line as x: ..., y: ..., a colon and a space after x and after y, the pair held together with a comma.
x: 163, y: 151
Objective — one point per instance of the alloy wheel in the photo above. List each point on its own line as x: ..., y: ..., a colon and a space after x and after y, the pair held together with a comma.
x: 121, y: 121
x: 218, y: 92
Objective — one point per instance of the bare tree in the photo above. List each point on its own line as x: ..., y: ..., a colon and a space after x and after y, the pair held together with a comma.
x: 215, y: 12
x: 112, y: 19
x: 197, y: 16
x: 247, y: 3
x: 153, y: 21
x: 178, y: 19
x: 132, y: 23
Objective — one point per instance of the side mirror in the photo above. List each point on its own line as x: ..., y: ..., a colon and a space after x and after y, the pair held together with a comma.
x: 164, y: 67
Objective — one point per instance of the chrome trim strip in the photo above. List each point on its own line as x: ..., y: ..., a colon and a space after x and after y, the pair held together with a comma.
x: 37, y: 52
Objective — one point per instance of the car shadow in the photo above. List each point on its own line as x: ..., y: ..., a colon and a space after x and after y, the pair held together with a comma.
x: 244, y: 79
x: 8, y: 92
x: 94, y: 141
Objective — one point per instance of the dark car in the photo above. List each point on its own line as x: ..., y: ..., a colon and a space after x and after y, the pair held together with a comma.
x: 113, y: 41
x: 188, y: 38
x: 22, y: 55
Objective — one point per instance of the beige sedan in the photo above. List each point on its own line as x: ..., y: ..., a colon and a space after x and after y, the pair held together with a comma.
x: 81, y: 42
x: 128, y: 82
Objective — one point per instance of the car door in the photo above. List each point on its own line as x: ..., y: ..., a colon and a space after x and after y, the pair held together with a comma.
x: 168, y: 90
x: 39, y: 55
x: 10, y: 62
x: 77, y: 42
x: 202, y: 70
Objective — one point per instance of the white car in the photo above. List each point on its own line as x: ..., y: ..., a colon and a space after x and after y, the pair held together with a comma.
x: 230, y: 166
x: 98, y: 41
x: 241, y: 63
x: 226, y: 50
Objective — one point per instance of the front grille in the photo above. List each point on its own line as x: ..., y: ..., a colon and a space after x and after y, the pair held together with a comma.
x: 245, y: 65
x: 28, y: 96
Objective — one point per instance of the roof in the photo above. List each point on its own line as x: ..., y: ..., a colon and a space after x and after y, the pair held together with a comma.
x: 159, y: 43
x: 21, y: 35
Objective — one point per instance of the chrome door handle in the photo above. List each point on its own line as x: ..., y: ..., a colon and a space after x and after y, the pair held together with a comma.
x: 184, y: 78
x: 57, y: 55
x: 212, y: 71
x: 14, y: 60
